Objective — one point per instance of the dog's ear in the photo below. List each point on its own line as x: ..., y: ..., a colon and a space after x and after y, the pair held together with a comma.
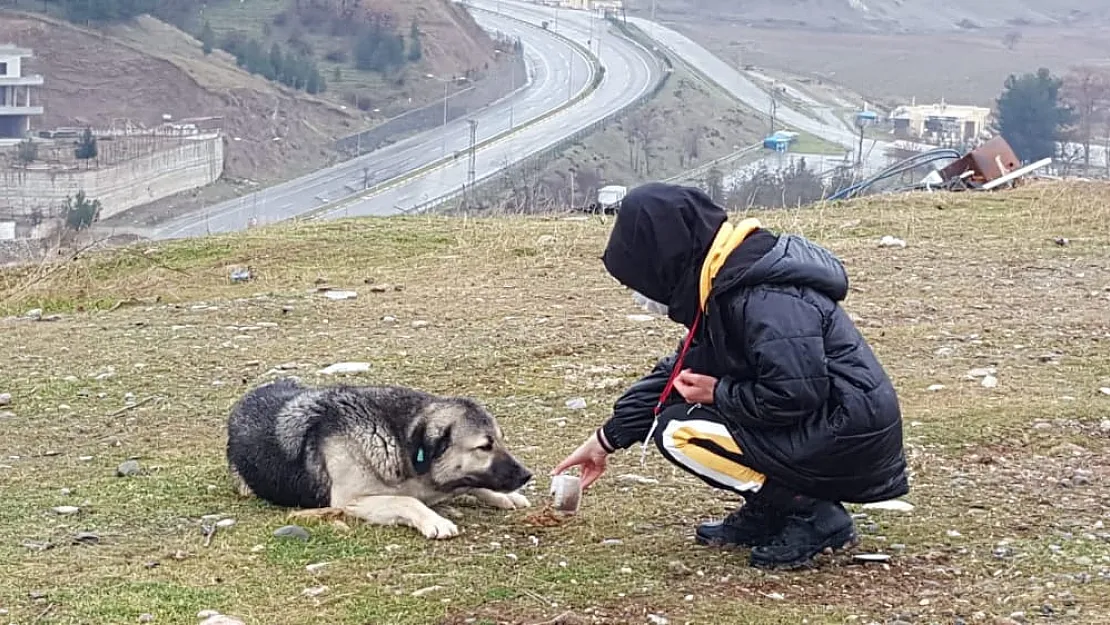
x: 441, y: 443
x: 428, y: 450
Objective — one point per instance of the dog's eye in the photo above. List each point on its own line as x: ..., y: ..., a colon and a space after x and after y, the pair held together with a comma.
x: 487, y: 447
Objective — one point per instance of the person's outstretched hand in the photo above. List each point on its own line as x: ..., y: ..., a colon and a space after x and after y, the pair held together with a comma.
x: 590, y: 457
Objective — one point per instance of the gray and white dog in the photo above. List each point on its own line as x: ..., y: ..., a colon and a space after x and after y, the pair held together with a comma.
x: 383, y: 454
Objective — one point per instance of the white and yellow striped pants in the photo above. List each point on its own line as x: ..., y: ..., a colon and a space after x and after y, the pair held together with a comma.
x: 695, y: 438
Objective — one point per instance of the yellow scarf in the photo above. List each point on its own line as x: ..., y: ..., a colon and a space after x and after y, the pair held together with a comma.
x: 728, y: 238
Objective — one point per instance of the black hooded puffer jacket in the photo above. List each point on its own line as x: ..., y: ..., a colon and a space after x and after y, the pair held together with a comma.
x: 802, y: 392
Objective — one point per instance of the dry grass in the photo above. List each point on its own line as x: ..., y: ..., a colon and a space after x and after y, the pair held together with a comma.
x: 522, y: 316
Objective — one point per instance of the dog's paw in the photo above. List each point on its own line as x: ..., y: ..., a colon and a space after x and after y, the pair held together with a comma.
x: 519, y: 501
x: 502, y: 501
x: 438, y: 528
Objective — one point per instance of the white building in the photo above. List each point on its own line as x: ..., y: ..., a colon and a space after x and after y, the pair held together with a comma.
x: 16, y: 101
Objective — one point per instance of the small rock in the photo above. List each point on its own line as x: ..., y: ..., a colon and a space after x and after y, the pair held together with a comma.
x: 657, y: 619
x: 314, y: 591
x: 935, y: 387
x: 895, y: 505
x: 241, y: 274
x: 316, y: 566
x: 989, y: 381
x: 341, y: 368
x: 871, y: 557
x: 225, y: 523
x: 1084, y: 561
x: 953, y: 534
x: 146, y: 618
x: 34, y: 313
x: 65, y: 491
x: 294, y: 532
x: 639, y: 479
x: 128, y: 468
x: 419, y: 323
x: 1104, y: 425
x: 7, y: 414
x: 981, y: 372
x: 1104, y: 390
x: 5, y: 399
x: 340, y: 295
x: 203, y: 614
x: 66, y: 510
x: 389, y: 319
x: 640, y: 317
x: 1061, y: 241
x: 777, y: 596
x: 889, y: 241
x: 423, y: 591
x: 86, y: 538
x: 612, y: 541
x: 577, y: 403
x: 220, y: 619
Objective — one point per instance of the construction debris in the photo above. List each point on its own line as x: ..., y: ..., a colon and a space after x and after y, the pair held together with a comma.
x: 990, y: 166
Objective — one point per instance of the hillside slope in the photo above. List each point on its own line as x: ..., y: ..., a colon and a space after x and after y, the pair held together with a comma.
x: 1009, y: 481
x: 885, y: 15
x: 148, y: 68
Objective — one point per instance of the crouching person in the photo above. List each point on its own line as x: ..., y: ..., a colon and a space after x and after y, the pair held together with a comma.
x: 774, y: 394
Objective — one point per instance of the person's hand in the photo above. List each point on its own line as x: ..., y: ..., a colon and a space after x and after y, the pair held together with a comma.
x: 590, y: 457
x: 695, y: 388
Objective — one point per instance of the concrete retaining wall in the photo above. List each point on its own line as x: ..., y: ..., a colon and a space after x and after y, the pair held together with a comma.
x: 31, y: 194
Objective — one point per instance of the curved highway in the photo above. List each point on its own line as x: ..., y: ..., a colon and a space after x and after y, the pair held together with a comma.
x: 557, y: 71
x: 631, y: 71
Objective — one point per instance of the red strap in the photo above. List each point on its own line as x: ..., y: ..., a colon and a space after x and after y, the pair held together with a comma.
x: 677, y: 365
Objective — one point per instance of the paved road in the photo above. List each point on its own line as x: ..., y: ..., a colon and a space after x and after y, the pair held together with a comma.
x: 558, y: 70
x: 630, y: 72
x: 743, y: 89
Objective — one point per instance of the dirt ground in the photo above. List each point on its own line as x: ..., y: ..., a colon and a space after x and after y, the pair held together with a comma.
x: 884, y: 15
x: 1009, y: 482
x: 961, y: 67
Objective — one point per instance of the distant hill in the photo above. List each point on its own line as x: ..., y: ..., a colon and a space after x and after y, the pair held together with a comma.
x: 884, y: 15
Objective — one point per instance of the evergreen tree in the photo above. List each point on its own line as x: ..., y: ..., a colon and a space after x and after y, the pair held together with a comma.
x: 277, y: 63
x: 1030, y: 116
x: 86, y: 147
x: 207, y: 38
x: 416, y: 51
x: 81, y: 212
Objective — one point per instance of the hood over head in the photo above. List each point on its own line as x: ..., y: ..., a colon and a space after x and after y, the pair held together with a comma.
x: 661, y: 236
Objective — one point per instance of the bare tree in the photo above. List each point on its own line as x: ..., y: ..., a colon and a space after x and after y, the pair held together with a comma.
x: 1087, y: 91
x: 691, y: 149
x: 647, y: 129
x: 1011, y: 39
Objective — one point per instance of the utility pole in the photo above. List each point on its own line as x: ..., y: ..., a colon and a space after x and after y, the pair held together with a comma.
x: 473, y: 140
x: 570, y: 77
x: 859, y: 153
x: 445, y: 103
x: 774, y: 107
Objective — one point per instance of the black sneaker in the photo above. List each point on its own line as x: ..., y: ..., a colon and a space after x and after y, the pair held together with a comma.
x: 810, y: 528
x: 749, y: 525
